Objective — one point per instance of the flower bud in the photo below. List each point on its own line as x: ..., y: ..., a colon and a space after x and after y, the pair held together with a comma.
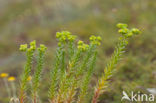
x: 80, y: 42
x: 130, y: 34
x: 121, y: 25
x: 23, y: 47
x: 123, y: 31
x: 136, y: 31
x: 92, y: 38
x: 58, y: 34
x: 42, y: 48
x: 59, y: 44
x: 33, y: 45
x: 71, y: 38
x: 95, y: 40
x: 99, y: 38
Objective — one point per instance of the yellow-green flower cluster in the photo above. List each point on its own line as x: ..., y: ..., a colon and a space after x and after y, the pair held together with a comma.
x: 24, y: 47
x: 82, y: 46
x: 95, y: 40
x: 42, y: 48
x: 121, y: 25
x: 127, y: 32
x: 123, y: 31
x: 136, y: 31
x: 65, y: 36
x: 32, y: 45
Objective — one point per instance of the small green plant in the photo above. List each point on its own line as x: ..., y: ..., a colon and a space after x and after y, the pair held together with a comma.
x: 64, y: 81
x: 69, y: 80
x: 119, y: 50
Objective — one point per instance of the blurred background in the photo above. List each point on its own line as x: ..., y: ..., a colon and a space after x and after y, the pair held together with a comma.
x: 22, y: 21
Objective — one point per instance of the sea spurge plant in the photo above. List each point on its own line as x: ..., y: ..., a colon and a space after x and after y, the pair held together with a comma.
x: 72, y: 69
x: 110, y: 68
x: 62, y: 88
x: 59, y: 65
x: 67, y: 75
x: 86, y: 81
x: 90, y: 50
x: 37, y: 76
x: 28, y: 67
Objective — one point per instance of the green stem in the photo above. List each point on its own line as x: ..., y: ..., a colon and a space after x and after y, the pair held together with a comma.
x: 13, y: 89
x: 7, y: 87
